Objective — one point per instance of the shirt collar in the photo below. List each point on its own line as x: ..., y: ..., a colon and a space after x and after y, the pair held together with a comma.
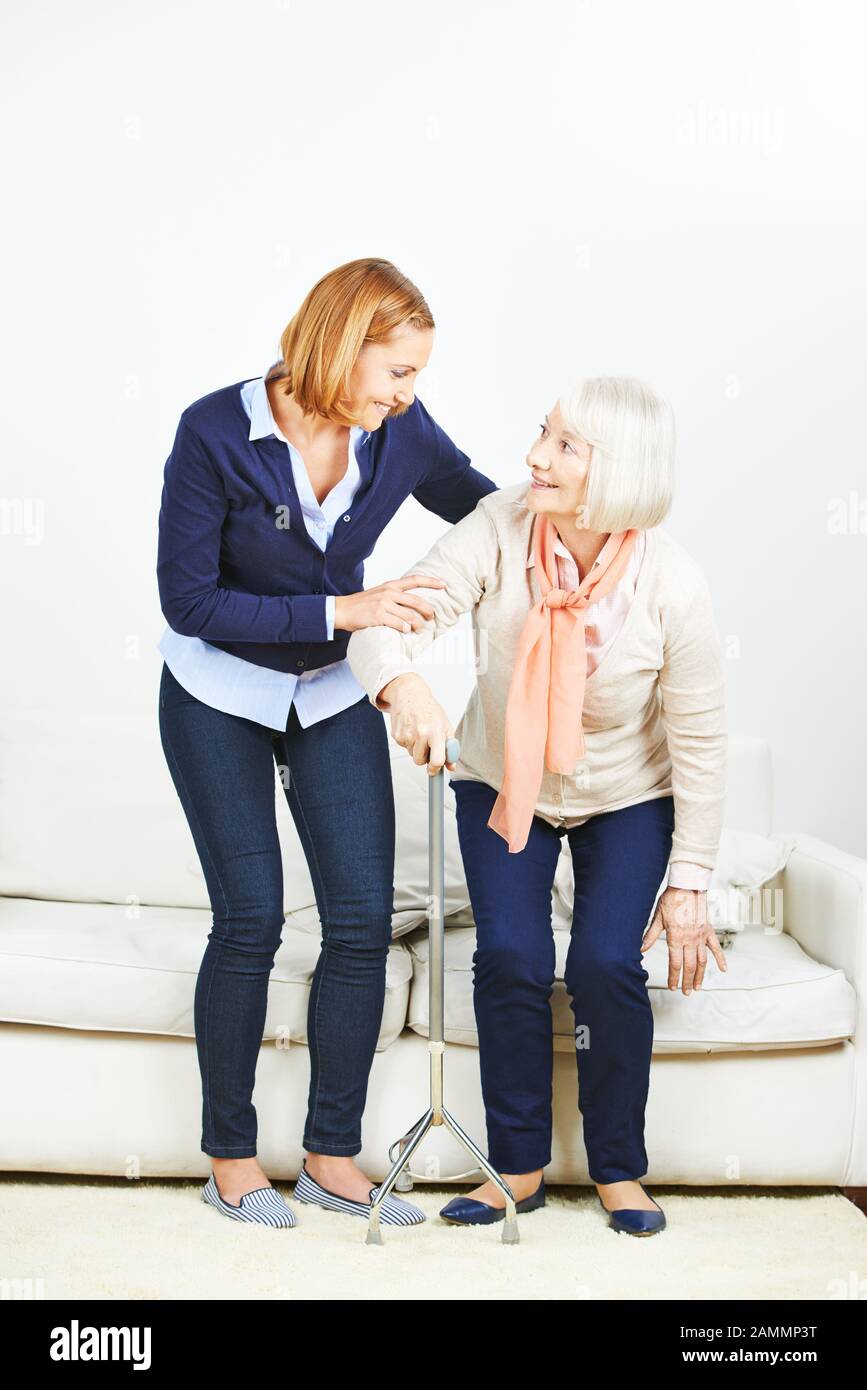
x: 262, y: 422
x: 559, y: 549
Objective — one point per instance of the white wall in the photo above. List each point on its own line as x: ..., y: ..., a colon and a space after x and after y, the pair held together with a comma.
x: 671, y: 190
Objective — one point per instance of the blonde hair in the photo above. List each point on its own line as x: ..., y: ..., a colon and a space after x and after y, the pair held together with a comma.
x: 631, y: 432
x: 363, y: 301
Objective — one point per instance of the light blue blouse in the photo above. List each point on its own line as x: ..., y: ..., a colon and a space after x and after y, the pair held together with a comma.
x: 236, y: 686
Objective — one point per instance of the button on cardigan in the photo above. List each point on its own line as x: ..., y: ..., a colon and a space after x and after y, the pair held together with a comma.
x: 654, y: 706
x: 236, y: 565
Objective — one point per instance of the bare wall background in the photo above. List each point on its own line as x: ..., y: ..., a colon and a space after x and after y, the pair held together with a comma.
x: 675, y: 191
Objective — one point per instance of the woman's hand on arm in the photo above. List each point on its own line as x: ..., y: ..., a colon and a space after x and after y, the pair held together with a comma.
x: 455, y: 572
x: 682, y: 914
x: 418, y: 721
x: 387, y: 605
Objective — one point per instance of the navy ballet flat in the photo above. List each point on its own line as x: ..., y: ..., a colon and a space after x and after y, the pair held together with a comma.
x: 467, y: 1211
x: 634, y: 1220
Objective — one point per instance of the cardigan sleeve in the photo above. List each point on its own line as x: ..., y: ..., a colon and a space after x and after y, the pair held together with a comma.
x: 192, y: 511
x: 692, y: 706
x: 465, y: 557
x: 451, y: 487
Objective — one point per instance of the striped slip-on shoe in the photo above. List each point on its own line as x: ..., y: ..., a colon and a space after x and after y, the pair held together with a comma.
x: 393, y: 1212
x: 264, y: 1206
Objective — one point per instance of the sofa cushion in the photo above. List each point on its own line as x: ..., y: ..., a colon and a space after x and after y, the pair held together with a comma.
x: 89, y: 813
x: 745, y: 888
x: 100, y: 966
x: 96, y: 790
x: 773, y: 995
x: 747, y: 860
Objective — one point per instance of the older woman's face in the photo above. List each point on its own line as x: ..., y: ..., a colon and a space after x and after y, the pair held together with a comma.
x: 562, y: 461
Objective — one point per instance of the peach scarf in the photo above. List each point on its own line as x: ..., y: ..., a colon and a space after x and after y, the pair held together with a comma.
x: 546, y: 692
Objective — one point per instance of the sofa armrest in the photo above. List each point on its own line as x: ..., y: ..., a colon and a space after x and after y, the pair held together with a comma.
x: 825, y: 908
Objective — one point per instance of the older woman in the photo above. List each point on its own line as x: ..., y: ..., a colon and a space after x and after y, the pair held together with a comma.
x: 598, y: 714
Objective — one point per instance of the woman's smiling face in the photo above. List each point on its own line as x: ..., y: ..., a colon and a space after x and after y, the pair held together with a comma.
x: 384, y: 375
x: 561, y: 460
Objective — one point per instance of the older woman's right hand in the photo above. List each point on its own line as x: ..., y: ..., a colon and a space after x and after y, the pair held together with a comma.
x: 418, y: 721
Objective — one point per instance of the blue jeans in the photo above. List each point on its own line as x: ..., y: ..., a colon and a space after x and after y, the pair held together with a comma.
x: 339, y: 791
x: 619, y: 859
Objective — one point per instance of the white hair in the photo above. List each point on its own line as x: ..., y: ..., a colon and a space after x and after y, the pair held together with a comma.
x: 631, y: 432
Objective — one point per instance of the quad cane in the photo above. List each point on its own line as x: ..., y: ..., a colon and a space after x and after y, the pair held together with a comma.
x: 436, y: 1114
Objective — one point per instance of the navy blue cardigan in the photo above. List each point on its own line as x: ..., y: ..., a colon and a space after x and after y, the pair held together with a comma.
x: 236, y: 565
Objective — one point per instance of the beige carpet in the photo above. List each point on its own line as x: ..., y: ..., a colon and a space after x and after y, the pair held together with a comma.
x: 106, y: 1238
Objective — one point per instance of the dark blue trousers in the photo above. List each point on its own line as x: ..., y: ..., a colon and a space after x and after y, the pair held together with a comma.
x: 336, y: 774
x: 620, y: 859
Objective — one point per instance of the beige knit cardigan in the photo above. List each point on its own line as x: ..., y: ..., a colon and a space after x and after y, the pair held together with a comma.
x: 654, y: 707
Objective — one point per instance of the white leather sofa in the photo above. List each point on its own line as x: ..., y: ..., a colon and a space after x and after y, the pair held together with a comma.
x: 759, y: 1078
